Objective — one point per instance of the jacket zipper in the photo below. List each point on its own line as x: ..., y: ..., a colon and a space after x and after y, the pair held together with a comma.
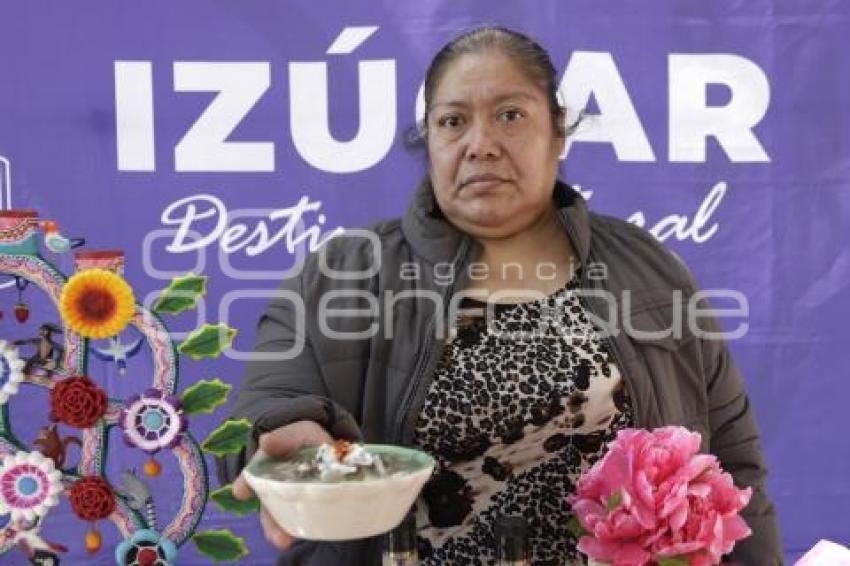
x: 425, y: 359
x: 612, y: 348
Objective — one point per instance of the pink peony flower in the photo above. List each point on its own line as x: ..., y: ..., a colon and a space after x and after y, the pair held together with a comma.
x: 653, y: 496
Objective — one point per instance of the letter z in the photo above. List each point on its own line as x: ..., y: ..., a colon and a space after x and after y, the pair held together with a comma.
x: 205, y: 147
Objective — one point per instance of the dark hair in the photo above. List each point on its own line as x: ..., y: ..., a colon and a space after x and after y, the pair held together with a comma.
x: 532, y: 58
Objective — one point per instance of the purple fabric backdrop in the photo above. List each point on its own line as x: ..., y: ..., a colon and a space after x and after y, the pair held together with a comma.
x: 105, y: 127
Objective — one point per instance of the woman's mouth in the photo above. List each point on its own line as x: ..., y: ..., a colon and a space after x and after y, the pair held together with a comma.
x: 481, y: 182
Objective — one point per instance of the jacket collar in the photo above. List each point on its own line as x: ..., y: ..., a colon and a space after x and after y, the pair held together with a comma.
x: 433, y: 237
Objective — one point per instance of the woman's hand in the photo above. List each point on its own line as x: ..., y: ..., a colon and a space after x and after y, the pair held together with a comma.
x: 279, y: 443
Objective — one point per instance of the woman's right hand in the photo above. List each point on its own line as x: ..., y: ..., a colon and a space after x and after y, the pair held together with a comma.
x: 279, y: 443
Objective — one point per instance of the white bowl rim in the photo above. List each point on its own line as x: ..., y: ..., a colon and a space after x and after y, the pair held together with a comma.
x: 314, y: 484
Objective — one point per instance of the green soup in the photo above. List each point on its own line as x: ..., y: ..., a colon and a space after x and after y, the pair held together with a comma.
x: 301, y: 466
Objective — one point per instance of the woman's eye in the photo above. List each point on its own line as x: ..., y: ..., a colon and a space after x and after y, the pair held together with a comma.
x: 510, y: 115
x: 452, y: 121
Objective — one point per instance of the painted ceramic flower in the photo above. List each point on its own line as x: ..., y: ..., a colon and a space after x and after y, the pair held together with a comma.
x: 97, y: 303
x: 92, y: 498
x: 153, y: 421
x: 11, y: 371
x: 77, y: 401
x: 146, y: 548
x: 29, y: 485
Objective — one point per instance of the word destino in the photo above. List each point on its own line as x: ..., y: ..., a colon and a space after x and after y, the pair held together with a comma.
x: 199, y: 221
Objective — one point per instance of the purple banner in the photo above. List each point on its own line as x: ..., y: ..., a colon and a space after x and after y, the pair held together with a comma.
x: 229, y: 139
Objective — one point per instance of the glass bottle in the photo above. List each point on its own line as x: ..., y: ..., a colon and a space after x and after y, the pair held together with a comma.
x: 512, y: 541
x: 400, y: 546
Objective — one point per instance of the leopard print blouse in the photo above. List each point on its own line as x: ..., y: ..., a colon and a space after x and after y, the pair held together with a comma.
x: 517, y: 410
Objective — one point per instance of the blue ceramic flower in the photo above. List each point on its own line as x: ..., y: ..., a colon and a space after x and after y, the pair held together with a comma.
x: 146, y: 548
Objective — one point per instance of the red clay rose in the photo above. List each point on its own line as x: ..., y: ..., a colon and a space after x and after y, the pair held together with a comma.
x: 77, y: 401
x: 92, y: 498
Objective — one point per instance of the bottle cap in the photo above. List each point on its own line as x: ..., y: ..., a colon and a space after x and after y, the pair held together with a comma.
x: 511, y: 538
x: 403, y: 537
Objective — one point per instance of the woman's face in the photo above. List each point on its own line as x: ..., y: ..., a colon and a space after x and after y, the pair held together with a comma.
x: 492, y: 149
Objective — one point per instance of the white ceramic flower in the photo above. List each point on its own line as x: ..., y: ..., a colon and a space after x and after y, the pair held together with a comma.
x: 11, y: 371
x: 29, y: 485
x: 153, y: 421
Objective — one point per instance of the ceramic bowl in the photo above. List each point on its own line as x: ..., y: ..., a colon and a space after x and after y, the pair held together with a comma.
x: 345, y: 509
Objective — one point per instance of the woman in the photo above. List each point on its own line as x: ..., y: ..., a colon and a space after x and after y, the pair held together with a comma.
x: 516, y: 402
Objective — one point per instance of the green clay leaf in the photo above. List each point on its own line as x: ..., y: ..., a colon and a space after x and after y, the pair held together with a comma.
x: 220, y: 545
x: 208, y: 341
x: 205, y: 396
x: 223, y: 497
x: 229, y: 438
x: 181, y: 294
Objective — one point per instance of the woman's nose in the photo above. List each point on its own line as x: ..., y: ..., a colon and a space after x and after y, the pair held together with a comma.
x: 482, y: 144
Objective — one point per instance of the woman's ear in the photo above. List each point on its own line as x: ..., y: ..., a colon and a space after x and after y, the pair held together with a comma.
x: 562, y: 131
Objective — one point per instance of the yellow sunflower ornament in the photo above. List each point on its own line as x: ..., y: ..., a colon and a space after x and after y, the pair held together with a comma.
x: 97, y: 303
